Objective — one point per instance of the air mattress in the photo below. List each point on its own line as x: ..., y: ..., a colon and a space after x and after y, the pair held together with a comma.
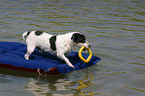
x: 12, y: 56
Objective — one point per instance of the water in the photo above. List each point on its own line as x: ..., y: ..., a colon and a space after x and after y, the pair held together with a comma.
x: 115, y: 29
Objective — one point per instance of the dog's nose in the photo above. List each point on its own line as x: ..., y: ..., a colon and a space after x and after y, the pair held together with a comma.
x: 89, y: 46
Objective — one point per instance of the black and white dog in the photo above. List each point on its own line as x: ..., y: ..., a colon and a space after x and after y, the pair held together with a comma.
x: 59, y: 45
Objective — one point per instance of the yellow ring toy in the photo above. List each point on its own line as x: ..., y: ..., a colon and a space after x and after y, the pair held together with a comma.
x: 82, y: 58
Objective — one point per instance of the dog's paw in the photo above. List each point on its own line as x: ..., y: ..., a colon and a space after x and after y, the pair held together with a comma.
x: 71, y: 66
x: 26, y: 57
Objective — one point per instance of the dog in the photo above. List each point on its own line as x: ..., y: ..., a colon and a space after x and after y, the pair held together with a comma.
x: 60, y: 45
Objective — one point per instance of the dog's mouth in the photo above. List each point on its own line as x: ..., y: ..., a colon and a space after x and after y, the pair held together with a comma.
x: 84, y: 49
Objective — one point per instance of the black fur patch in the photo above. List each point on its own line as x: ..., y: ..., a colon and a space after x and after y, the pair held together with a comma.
x: 28, y: 33
x: 52, y: 41
x: 78, y: 38
x: 38, y: 32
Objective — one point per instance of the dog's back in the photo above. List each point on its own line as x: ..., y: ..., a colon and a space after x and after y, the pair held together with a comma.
x: 38, y: 39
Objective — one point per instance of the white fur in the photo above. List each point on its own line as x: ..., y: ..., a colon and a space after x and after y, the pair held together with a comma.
x: 64, y: 44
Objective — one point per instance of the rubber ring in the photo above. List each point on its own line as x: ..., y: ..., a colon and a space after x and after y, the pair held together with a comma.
x: 82, y: 58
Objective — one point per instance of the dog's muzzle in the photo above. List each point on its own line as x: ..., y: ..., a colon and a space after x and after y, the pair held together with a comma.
x: 87, y: 45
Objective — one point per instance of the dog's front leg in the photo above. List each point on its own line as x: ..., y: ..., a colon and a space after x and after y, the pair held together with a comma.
x: 65, y: 59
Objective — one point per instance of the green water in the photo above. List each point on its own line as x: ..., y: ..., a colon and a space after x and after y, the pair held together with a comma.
x: 114, y: 28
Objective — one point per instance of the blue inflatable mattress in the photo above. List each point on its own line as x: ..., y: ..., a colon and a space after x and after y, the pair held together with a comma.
x: 12, y: 56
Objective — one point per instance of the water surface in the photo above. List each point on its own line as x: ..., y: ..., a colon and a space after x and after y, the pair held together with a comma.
x: 114, y: 28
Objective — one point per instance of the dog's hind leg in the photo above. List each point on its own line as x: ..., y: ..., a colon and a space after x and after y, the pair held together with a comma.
x: 65, y: 59
x: 30, y: 49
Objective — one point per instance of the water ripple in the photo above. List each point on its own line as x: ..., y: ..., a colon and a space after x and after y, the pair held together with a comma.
x: 114, y: 28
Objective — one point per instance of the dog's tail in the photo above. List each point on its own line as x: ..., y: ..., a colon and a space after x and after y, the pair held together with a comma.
x: 25, y: 35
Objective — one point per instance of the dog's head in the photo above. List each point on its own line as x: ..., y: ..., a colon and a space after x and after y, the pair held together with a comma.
x: 80, y: 40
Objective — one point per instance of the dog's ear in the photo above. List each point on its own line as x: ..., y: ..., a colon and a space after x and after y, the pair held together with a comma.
x: 78, y: 38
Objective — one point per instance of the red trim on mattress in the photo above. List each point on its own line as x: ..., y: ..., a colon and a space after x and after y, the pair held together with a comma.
x: 52, y: 71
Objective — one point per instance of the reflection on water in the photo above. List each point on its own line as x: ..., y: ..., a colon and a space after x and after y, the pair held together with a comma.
x: 60, y: 85
x: 114, y: 28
